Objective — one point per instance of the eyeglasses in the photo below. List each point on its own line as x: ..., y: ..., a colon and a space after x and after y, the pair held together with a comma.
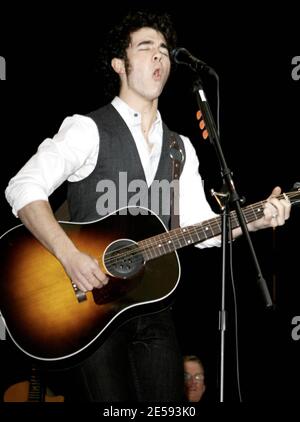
x: 197, y: 377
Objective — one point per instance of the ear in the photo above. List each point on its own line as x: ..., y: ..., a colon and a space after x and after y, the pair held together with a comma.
x: 118, y: 65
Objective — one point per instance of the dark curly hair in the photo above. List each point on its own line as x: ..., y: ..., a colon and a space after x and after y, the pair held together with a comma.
x: 118, y: 40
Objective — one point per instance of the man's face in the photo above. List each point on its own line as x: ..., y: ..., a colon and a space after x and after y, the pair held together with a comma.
x: 148, y: 64
x: 194, y: 381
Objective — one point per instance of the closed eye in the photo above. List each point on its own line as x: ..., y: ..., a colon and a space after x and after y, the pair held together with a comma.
x: 148, y: 45
x: 164, y: 51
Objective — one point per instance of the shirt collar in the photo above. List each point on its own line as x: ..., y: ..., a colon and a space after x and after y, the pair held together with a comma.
x: 130, y: 116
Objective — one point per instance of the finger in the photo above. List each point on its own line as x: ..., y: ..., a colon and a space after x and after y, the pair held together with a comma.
x: 91, y: 277
x: 99, y: 274
x: 271, y: 215
x: 91, y: 280
x: 82, y: 282
x: 283, y: 212
x: 286, y: 207
x: 283, y: 207
x: 270, y: 210
x: 277, y: 211
x: 275, y: 192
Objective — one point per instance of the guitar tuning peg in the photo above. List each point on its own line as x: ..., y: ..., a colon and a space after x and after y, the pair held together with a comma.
x: 296, y: 186
x: 198, y: 115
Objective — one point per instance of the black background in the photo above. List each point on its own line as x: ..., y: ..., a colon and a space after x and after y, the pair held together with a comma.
x: 51, y: 54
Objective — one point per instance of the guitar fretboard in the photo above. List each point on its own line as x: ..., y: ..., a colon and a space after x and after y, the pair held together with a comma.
x: 184, y: 236
x: 36, y: 392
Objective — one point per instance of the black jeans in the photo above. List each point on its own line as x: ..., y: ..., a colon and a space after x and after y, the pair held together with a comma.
x: 140, y: 361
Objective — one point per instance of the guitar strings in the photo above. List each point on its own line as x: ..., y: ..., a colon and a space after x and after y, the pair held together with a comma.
x: 181, y: 233
x: 153, y: 241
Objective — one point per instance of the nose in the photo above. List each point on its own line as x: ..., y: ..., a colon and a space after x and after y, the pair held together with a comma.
x: 157, y: 56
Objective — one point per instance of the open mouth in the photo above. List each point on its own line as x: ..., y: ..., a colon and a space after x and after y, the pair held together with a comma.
x: 157, y: 74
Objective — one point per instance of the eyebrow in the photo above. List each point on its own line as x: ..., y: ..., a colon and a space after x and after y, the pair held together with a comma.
x: 149, y: 42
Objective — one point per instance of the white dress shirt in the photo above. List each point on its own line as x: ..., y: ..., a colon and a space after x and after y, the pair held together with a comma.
x: 72, y: 155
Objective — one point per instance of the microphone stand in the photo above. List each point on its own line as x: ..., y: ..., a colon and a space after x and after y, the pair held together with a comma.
x: 231, y: 196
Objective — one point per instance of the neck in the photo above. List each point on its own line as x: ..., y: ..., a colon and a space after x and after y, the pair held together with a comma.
x: 147, y: 108
x: 148, y: 117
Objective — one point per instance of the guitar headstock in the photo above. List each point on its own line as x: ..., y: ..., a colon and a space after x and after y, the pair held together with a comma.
x: 295, y: 194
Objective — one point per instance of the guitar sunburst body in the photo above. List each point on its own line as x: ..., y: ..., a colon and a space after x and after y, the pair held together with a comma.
x: 38, y: 303
x: 50, y: 320
x: 32, y: 390
x: 20, y: 392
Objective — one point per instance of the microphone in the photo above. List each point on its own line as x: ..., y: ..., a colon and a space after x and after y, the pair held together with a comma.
x: 183, y: 56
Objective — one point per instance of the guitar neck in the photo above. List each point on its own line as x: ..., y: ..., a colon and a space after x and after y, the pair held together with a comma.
x: 184, y: 236
x: 36, y: 390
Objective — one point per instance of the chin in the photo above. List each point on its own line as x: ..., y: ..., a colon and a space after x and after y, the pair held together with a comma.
x: 154, y: 95
x: 194, y: 397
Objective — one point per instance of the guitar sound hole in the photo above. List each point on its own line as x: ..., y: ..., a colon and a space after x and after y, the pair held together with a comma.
x: 123, y: 259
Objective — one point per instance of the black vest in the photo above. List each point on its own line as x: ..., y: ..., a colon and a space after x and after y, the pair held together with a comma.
x: 118, y: 170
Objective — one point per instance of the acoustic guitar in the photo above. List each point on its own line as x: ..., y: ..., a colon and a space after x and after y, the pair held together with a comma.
x: 32, y: 390
x: 49, y: 319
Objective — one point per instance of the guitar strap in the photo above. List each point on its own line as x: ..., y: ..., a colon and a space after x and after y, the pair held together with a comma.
x: 177, y: 157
